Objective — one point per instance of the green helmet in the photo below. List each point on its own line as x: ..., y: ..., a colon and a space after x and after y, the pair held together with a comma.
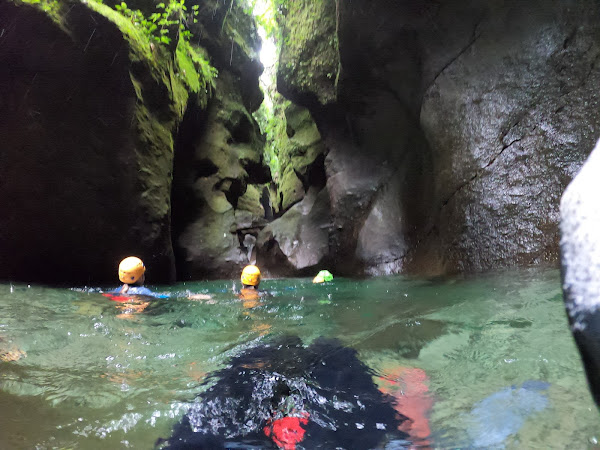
x: 322, y: 276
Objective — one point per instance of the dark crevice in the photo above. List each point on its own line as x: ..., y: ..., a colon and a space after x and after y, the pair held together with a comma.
x: 185, y: 205
x: 240, y: 128
x: 258, y: 172
x: 315, y: 174
x: 265, y: 201
x: 205, y: 168
x: 233, y: 189
x: 569, y: 38
x: 289, y: 130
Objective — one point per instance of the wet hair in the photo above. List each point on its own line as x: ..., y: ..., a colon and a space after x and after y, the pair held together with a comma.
x: 325, y: 383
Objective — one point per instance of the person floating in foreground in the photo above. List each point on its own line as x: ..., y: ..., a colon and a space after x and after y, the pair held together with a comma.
x: 283, y: 394
x: 133, y: 295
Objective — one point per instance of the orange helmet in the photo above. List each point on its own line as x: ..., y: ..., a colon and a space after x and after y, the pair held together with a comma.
x: 131, y: 270
x: 250, y: 276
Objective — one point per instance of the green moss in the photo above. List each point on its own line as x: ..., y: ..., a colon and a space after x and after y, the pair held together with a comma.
x: 309, y: 58
x: 53, y: 8
x: 195, y: 71
x: 191, y: 71
x: 138, y: 41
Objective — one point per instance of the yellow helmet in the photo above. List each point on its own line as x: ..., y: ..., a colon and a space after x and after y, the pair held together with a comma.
x: 131, y: 270
x: 250, y: 276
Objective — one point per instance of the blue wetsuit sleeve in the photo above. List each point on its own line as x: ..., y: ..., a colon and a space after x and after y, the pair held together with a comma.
x: 142, y: 290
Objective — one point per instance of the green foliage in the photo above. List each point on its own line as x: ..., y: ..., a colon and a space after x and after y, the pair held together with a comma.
x: 272, y: 122
x: 194, y: 68
x: 266, y: 17
x: 158, y: 26
x: 168, y: 27
x: 270, y: 116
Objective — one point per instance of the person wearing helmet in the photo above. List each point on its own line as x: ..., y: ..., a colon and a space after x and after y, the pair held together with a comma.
x: 132, y: 273
x: 323, y: 276
x: 133, y: 295
x: 250, y: 280
x: 250, y: 277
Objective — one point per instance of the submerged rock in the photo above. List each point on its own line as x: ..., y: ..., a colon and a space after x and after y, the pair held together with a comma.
x: 502, y: 414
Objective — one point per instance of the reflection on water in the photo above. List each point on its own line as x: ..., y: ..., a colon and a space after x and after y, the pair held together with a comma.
x: 486, y: 361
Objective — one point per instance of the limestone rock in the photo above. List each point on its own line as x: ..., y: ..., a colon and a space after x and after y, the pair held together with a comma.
x: 297, y: 242
x: 215, y: 204
x: 309, y: 61
x: 301, y: 157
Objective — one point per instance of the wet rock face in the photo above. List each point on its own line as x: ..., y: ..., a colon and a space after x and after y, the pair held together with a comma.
x: 83, y: 183
x: 509, y: 120
x: 298, y: 241
x: 454, y: 130
x: 309, y: 61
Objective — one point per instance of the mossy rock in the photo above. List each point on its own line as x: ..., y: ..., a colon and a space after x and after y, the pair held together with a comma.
x: 301, y: 149
x: 99, y: 104
x: 309, y: 61
x: 291, y: 189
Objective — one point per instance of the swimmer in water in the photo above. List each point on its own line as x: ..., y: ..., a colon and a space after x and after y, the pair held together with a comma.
x: 250, y: 279
x: 288, y: 395
x: 133, y: 294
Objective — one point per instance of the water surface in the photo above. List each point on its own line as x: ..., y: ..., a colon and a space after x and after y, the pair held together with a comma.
x: 502, y: 369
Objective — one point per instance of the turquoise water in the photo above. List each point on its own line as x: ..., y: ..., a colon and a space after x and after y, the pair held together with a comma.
x: 96, y: 376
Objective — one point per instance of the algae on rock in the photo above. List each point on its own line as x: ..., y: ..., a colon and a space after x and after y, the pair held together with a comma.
x: 301, y: 157
x: 309, y: 62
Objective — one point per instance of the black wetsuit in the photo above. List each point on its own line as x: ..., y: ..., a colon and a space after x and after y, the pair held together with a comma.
x: 329, y: 392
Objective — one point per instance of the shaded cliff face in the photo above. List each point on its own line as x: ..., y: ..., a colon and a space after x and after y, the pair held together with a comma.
x: 91, y: 111
x: 219, y: 166
x: 215, y: 205
x: 451, y: 129
x: 86, y: 148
